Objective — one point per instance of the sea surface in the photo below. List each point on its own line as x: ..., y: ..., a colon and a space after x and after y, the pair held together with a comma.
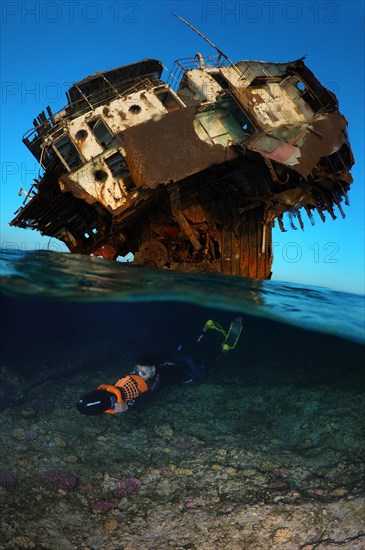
x: 267, y: 451
x: 74, y: 278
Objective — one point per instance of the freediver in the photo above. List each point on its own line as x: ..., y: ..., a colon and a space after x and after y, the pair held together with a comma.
x: 154, y: 371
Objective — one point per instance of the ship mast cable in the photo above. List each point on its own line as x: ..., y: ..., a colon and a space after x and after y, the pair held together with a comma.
x: 209, y: 42
x: 84, y: 96
x: 41, y: 159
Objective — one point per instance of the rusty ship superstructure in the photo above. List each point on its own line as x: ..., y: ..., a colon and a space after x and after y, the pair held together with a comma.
x: 189, y: 173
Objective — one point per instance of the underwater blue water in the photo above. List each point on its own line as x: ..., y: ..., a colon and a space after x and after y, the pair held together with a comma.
x: 76, y: 278
x: 275, y: 426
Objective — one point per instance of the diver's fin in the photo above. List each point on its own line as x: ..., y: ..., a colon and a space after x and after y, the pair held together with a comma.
x: 233, y: 335
x: 210, y: 324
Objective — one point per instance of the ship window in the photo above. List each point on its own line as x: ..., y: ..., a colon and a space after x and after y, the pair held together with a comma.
x: 221, y: 80
x: 101, y: 132
x: 223, y: 122
x: 117, y: 165
x: 68, y: 152
x: 169, y: 101
x: 300, y: 86
x: 119, y: 170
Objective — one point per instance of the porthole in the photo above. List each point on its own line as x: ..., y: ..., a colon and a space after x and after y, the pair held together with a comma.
x: 135, y: 109
x: 100, y: 175
x: 81, y: 134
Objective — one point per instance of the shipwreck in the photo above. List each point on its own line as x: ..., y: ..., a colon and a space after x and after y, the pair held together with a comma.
x: 190, y: 173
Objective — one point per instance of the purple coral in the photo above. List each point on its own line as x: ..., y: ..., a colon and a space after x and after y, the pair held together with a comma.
x: 31, y: 434
x: 127, y: 487
x: 59, y: 479
x: 187, y: 446
x: 7, y: 479
x: 103, y: 505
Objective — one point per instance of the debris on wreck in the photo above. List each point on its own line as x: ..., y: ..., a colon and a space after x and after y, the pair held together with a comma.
x: 188, y: 174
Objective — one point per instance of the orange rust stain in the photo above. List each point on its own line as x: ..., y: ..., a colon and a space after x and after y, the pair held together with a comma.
x: 107, y: 251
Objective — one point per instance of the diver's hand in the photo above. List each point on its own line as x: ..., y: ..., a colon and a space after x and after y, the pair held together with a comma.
x: 120, y: 407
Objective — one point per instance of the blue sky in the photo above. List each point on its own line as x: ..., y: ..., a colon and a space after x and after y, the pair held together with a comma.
x: 48, y: 45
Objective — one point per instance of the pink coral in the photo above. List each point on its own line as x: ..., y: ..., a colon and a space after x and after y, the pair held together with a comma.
x: 167, y: 472
x: 7, y: 479
x: 127, y: 487
x: 103, y: 505
x: 190, y: 504
x: 316, y: 491
x: 59, y: 479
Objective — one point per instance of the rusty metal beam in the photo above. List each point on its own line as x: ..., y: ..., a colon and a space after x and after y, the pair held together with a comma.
x: 184, y: 225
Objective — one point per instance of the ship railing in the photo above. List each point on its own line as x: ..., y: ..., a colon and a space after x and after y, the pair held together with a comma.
x: 91, y: 101
x: 46, y: 129
x: 181, y: 66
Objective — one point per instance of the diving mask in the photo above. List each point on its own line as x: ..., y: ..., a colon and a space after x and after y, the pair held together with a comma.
x: 145, y: 371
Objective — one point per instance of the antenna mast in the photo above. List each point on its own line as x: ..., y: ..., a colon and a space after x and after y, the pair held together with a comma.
x: 209, y: 42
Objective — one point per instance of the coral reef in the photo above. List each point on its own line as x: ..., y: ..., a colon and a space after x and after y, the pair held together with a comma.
x: 127, y: 487
x: 30, y: 435
x: 59, y: 479
x: 187, y: 446
x: 103, y: 505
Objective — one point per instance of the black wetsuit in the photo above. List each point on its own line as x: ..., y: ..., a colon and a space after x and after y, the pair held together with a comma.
x: 133, y: 389
x: 181, y: 368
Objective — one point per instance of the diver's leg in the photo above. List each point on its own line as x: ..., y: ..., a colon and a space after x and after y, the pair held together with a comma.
x: 215, y: 341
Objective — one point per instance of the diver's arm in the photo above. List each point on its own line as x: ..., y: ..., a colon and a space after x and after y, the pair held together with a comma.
x: 120, y: 407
